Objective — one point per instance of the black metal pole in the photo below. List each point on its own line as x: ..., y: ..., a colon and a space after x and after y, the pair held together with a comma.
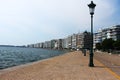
x: 91, y: 48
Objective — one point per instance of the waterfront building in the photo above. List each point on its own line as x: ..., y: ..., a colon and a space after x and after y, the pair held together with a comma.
x: 59, y: 42
x: 63, y: 43
x: 79, y: 43
x: 30, y: 45
x: 53, y: 44
x: 97, y: 38
x: 114, y: 32
x: 41, y: 45
x: 107, y: 33
x: 34, y: 45
x: 56, y: 45
x: 74, y: 41
x: 69, y: 42
x: 45, y: 45
x: 48, y: 44
x: 83, y: 40
x: 37, y: 45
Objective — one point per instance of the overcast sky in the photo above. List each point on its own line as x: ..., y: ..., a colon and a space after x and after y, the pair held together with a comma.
x: 31, y: 21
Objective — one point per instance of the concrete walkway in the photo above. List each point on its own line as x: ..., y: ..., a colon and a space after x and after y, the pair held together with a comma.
x: 70, y: 66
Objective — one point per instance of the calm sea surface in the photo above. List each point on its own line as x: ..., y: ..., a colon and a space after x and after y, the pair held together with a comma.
x: 13, y: 56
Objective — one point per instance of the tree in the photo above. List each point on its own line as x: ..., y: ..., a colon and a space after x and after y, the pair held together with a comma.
x: 98, y: 46
x: 116, y: 45
x: 107, y: 44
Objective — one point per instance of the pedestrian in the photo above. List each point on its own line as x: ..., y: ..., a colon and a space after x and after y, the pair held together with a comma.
x: 84, y: 51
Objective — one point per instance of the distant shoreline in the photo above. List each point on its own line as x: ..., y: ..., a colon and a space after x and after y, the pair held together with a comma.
x: 11, y: 46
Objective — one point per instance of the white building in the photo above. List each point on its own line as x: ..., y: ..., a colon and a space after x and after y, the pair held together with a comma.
x: 107, y: 33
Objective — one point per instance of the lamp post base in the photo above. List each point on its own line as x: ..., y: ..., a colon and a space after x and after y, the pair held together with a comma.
x: 91, y: 60
x: 91, y: 65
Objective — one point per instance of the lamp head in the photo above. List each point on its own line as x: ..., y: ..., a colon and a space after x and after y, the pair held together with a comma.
x: 91, y: 7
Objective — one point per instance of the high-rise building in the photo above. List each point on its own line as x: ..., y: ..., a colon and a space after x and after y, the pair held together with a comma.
x: 59, y: 43
x: 64, y: 43
x: 83, y: 40
x: 107, y: 33
x: 69, y: 40
x: 74, y: 41
x: 114, y: 32
x: 53, y: 43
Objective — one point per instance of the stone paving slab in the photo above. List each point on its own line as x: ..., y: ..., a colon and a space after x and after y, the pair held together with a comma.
x: 70, y: 66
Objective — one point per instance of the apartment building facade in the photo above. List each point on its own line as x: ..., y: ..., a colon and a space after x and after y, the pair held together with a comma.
x: 107, y: 33
x: 74, y: 41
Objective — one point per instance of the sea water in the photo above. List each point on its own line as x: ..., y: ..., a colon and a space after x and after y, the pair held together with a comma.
x: 14, y: 56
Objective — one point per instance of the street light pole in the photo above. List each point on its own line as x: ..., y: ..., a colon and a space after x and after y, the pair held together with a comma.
x: 91, y: 8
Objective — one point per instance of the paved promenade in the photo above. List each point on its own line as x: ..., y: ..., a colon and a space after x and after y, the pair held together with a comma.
x: 70, y: 66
